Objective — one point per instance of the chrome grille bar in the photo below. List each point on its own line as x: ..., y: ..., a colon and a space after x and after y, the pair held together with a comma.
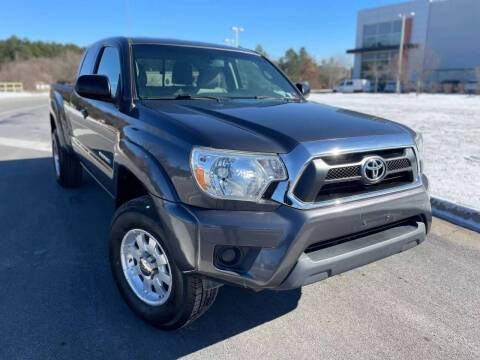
x: 325, y: 178
x: 354, y: 172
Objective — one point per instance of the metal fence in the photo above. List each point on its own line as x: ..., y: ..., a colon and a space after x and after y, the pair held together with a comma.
x: 11, y: 87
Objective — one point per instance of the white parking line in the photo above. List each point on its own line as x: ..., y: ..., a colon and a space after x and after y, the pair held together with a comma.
x: 26, y: 144
x: 22, y: 109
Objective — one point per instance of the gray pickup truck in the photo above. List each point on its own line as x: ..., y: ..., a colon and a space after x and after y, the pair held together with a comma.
x: 223, y: 173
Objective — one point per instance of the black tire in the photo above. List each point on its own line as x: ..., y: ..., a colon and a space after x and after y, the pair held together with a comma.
x: 69, y: 171
x: 189, y: 297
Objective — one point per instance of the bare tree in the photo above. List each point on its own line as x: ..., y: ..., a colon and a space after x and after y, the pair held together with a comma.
x: 392, y: 70
x: 62, y: 68
x: 424, y: 66
x: 378, y: 71
x: 477, y: 74
x: 333, y: 70
x: 310, y: 72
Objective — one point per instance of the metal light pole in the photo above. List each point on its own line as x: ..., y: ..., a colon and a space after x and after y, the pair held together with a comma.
x: 237, y: 29
x: 400, y: 53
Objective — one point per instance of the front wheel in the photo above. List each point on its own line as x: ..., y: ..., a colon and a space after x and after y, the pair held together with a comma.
x: 146, y: 273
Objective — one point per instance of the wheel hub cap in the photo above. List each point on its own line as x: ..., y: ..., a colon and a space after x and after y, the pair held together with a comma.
x: 146, y: 267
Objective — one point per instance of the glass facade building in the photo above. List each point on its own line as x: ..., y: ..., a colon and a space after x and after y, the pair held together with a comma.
x: 382, y: 34
x: 440, y: 46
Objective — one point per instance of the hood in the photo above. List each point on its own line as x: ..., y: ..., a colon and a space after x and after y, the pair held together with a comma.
x: 269, y: 126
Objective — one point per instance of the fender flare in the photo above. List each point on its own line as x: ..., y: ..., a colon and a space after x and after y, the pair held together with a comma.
x: 57, y: 111
x: 146, y: 168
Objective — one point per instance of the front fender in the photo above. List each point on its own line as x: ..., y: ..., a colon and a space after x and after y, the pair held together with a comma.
x: 146, y: 168
x: 57, y: 112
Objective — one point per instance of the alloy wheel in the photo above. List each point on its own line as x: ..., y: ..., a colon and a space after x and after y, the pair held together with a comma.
x: 146, y: 267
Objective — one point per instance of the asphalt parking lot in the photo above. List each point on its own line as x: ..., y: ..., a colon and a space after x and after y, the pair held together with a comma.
x: 58, y: 299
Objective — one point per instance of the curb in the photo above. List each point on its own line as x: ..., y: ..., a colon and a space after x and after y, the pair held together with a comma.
x: 457, y: 214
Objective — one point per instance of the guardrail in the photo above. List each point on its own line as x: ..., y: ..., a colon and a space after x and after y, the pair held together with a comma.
x: 11, y: 87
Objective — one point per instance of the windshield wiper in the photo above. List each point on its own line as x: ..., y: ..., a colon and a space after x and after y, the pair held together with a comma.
x: 185, y: 97
x: 195, y: 97
x: 265, y: 97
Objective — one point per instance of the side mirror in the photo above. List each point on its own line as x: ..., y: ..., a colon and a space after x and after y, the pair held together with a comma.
x: 93, y: 87
x: 304, y: 88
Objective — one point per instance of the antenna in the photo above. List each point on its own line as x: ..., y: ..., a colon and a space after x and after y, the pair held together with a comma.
x: 130, y: 55
x: 127, y: 13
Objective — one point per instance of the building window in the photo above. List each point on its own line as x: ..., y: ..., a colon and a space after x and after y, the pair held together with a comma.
x: 379, y: 67
x: 382, y: 34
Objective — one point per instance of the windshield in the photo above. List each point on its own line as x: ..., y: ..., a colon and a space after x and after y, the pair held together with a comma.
x: 168, y: 72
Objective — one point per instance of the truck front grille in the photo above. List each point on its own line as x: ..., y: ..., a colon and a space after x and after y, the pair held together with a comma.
x: 344, y: 172
x: 398, y: 164
x: 335, y: 177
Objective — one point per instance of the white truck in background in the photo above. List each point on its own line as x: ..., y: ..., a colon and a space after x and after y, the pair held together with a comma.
x: 352, y: 85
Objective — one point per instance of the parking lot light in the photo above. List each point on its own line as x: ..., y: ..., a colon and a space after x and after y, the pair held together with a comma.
x: 237, y: 29
x: 400, y: 52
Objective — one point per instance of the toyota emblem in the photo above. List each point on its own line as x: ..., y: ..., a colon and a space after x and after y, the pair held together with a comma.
x: 374, y: 170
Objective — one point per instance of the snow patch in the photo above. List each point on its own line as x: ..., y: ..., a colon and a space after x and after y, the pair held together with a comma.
x: 450, y: 125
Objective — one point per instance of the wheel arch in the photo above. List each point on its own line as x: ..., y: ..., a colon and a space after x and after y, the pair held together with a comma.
x: 53, y: 125
x: 128, y: 186
x: 137, y: 173
x: 58, y: 119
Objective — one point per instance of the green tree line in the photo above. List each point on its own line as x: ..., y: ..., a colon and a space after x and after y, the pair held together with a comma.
x: 15, y: 49
x: 302, y: 66
x: 37, y: 62
x: 32, y: 62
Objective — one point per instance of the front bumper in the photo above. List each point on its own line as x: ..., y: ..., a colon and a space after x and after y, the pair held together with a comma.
x: 319, y: 265
x: 282, y: 236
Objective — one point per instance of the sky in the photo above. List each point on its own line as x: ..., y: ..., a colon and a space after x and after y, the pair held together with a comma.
x: 325, y: 27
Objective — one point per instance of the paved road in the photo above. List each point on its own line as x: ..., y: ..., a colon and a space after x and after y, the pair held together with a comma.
x: 58, y: 300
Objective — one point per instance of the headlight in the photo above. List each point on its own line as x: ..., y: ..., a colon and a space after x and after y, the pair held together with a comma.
x: 419, y: 143
x: 235, y: 176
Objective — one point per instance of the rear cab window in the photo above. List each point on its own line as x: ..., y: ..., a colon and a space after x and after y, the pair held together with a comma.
x: 88, y: 62
x: 109, y: 65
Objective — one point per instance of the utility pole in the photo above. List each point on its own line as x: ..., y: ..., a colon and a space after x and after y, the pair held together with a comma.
x: 400, y: 52
x: 237, y: 29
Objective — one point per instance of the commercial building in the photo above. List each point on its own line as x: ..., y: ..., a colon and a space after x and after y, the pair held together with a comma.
x: 441, y: 42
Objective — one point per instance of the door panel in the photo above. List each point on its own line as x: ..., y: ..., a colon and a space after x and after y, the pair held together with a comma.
x: 95, y: 125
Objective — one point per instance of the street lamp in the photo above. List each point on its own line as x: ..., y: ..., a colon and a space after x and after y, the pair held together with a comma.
x: 400, y: 53
x: 237, y: 29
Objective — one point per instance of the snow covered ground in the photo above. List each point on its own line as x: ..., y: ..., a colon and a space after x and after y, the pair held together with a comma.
x: 450, y: 125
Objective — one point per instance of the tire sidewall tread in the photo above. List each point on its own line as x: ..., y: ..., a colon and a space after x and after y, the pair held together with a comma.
x: 70, y: 169
x: 189, y: 298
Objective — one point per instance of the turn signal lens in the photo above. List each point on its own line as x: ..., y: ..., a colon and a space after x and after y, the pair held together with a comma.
x: 200, y: 177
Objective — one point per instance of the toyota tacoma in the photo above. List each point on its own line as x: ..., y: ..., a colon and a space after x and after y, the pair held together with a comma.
x: 222, y: 172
